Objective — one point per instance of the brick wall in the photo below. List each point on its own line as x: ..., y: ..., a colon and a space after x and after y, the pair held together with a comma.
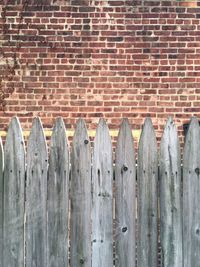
x: 94, y: 59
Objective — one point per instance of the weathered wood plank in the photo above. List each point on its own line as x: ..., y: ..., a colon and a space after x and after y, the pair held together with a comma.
x: 1, y: 201
x: 102, y: 176
x: 147, y: 197
x: 14, y: 184
x: 57, y: 197
x: 125, y: 198
x: 170, y: 198
x: 191, y: 196
x: 80, y: 226
x: 36, y: 195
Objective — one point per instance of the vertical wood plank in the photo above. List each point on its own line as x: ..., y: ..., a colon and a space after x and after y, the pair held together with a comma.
x: 102, y: 176
x: 80, y: 227
x: 57, y: 197
x: 36, y: 195
x: 147, y: 197
x: 14, y: 184
x: 170, y: 198
x: 1, y: 201
x: 191, y: 196
x: 125, y: 198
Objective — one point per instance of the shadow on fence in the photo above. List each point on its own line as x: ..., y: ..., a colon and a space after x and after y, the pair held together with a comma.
x: 38, y: 201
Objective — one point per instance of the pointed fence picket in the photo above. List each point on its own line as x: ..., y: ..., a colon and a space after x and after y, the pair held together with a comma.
x: 13, y: 197
x: 57, y: 198
x: 147, y: 197
x: 102, y: 198
x: 191, y: 196
x: 80, y: 227
x: 125, y: 198
x: 170, y: 198
x: 109, y: 224
x: 36, y: 197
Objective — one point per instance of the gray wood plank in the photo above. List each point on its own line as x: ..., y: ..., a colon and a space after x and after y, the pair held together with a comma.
x: 147, y: 197
x: 36, y: 195
x: 1, y: 201
x: 191, y: 196
x: 80, y: 223
x: 125, y: 198
x: 14, y: 184
x: 57, y: 197
x: 170, y: 198
x: 102, y: 198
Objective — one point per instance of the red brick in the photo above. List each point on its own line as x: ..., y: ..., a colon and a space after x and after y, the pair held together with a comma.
x: 131, y: 58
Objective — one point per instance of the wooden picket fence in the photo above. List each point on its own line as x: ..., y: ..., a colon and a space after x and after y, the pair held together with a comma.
x: 83, y: 210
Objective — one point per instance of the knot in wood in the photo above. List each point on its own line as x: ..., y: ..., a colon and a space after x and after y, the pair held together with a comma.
x: 86, y: 141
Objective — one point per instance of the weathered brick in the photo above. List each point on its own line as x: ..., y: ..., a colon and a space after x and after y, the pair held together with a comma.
x: 113, y: 59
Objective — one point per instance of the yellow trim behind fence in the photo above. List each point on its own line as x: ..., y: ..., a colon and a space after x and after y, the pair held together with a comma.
x: 113, y: 133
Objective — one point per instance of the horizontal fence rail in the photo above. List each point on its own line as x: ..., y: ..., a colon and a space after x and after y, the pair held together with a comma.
x: 62, y: 207
x: 70, y: 133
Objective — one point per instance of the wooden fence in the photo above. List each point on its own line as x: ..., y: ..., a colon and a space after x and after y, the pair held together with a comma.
x: 60, y: 211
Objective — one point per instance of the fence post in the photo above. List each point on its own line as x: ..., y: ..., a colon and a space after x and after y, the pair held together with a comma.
x: 14, y: 184
x: 57, y: 198
x: 170, y: 198
x: 191, y: 196
x: 147, y: 197
x: 125, y: 198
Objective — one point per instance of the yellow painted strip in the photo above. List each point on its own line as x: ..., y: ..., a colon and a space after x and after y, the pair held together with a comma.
x: 48, y: 133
